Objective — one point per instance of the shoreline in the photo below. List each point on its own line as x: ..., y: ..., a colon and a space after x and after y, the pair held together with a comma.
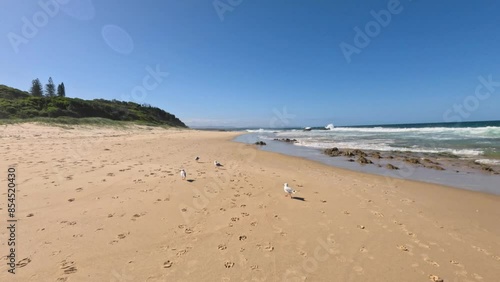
x: 115, y: 196
x: 468, y: 177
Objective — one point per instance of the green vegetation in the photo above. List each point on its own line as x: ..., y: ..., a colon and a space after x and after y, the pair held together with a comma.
x: 16, y: 105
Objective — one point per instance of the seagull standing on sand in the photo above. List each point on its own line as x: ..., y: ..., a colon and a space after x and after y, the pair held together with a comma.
x: 183, y: 174
x: 216, y: 163
x: 288, y: 190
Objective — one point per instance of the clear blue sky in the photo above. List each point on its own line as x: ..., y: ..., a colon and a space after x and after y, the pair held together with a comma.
x: 260, y: 58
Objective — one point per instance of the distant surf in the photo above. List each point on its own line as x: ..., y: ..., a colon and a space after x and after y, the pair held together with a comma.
x: 472, y: 139
x: 462, y: 153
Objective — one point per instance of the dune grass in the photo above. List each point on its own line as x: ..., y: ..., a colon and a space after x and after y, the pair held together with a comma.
x: 67, y: 122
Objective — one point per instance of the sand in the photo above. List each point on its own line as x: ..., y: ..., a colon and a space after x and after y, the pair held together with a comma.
x: 108, y: 204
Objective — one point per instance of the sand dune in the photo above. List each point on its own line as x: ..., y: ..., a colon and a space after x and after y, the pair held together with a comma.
x: 103, y: 204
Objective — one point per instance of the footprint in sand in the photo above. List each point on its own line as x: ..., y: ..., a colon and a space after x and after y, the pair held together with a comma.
x: 269, y: 248
x: 71, y: 200
x: 68, y: 267
x: 361, y: 226
x: 407, y: 201
x: 79, y: 189
x: 403, y: 248
x: 188, y: 231
x: 435, y: 278
x: 222, y: 247
x: 30, y: 215
x: 481, y: 250
x: 228, y: 264
x: 121, y: 236
x: 167, y: 264
x: 254, y: 267
x: 242, y: 238
x: 23, y: 262
x: 359, y: 270
x: 245, y: 214
x: 376, y: 213
x: 235, y: 219
x: 431, y: 262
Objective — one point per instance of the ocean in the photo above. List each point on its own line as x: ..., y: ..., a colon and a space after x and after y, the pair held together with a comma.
x: 477, y: 142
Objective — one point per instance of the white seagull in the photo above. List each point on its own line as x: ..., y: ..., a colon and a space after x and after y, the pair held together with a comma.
x: 183, y: 174
x: 288, y: 190
x: 216, y: 163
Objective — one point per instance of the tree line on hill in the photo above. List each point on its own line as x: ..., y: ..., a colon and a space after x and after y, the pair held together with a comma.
x: 50, y: 89
x: 18, y: 104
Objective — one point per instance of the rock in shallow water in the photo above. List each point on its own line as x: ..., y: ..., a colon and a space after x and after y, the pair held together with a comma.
x: 363, y: 160
x: 390, y: 166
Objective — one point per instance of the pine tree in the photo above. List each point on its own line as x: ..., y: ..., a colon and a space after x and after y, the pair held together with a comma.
x: 36, y: 88
x: 50, y: 88
x: 61, y: 91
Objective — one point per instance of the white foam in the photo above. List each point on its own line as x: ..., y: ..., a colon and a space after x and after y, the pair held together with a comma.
x: 330, y: 126
x: 489, y: 131
x: 488, y: 161
x: 383, y: 146
x: 260, y: 130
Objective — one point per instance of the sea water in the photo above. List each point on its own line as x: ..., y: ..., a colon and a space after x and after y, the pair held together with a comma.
x: 475, y: 141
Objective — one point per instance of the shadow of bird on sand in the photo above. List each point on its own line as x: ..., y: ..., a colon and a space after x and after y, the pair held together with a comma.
x: 190, y: 180
x: 299, y: 199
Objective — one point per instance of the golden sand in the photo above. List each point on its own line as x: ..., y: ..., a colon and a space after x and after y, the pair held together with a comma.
x: 104, y: 204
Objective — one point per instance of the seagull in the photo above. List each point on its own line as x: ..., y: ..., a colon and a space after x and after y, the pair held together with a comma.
x: 288, y: 190
x: 197, y: 158
x: 183, y: 174
x: 216, y: 163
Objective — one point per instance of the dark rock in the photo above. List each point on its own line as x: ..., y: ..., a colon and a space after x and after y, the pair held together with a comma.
x: 486, y: 168
x: 359, y: 153
x: 260, y: 143
x: 412, y: 160
x: 431, y: 161
x: 333, y: 152
x: 348, y: 153
x: 376, y: 155
x: 287, y: 140
x: 436, y: 167
x: 363, y: 160
x: 350, y: 160
x: 390, y: 166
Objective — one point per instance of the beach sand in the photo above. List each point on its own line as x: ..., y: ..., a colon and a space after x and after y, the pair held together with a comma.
x: 108, y: 204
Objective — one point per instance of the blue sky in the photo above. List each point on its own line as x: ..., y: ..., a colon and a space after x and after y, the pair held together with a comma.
x: 264, y: 63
